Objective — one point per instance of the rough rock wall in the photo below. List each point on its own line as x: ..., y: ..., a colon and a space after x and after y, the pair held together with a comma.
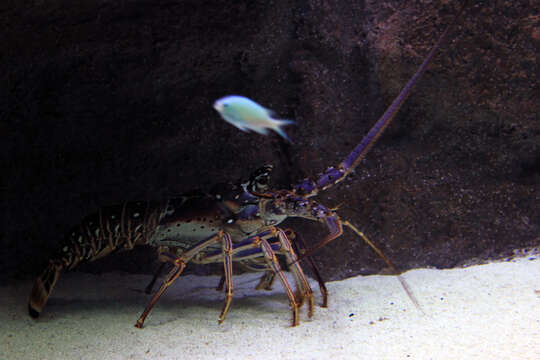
x: 105, y: 101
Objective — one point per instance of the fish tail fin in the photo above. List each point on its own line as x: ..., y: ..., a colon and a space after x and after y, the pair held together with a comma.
x: 282, y: 122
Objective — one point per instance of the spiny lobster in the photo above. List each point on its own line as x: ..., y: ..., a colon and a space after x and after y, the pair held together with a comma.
x: 238, y: 224
x: 199, y: 227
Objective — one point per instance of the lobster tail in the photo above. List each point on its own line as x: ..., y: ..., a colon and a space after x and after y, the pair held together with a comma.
x: 111, y: 229
x: 43, y: 287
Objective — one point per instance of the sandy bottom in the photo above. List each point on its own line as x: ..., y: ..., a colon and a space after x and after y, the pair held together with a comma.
x: 481, y: 312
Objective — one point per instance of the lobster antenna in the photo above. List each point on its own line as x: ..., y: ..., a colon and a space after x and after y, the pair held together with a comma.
x: 352, y: 160
x: 389, y: 263
x: 358, y: 153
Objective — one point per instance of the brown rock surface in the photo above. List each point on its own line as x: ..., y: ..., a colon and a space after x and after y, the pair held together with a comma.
x: 108, y: 101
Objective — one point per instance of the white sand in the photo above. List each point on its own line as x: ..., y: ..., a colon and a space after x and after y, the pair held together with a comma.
x: 482, y: 312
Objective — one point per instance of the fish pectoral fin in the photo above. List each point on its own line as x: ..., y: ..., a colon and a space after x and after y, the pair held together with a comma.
x: 240, y: 127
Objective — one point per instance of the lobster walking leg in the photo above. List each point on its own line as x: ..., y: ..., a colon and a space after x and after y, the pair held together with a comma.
x: 266, y: 281
x: 322, y: 286
x: 336, y: 230
x: 164, y: 262
x: 150, y: 286
x: 179, y: 263
x: 304, y: 290
x: 227, y: 247
x: 335, y: 227
x: 273, y: 262
x: 250, y: 250
x: 268, y: 278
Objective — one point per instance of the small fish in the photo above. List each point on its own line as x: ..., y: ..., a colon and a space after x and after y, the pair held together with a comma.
x: 246, y: 115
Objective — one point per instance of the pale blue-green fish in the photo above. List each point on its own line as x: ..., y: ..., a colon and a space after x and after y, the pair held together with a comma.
x: 246, y: 115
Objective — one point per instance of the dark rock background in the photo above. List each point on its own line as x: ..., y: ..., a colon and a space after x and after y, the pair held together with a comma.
x: 106, y: 101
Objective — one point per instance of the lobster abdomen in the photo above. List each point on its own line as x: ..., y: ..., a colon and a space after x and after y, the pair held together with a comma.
x: 112, y: 228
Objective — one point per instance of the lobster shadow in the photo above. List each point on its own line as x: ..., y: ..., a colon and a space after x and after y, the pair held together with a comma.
x: 83, y: 296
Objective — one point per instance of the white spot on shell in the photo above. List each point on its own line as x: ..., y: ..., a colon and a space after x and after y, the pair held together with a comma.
x: 136, y: 215
x: 113, y: 217
x: 230, y: 221
x: 218, y: 196
x: 65, y: 249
